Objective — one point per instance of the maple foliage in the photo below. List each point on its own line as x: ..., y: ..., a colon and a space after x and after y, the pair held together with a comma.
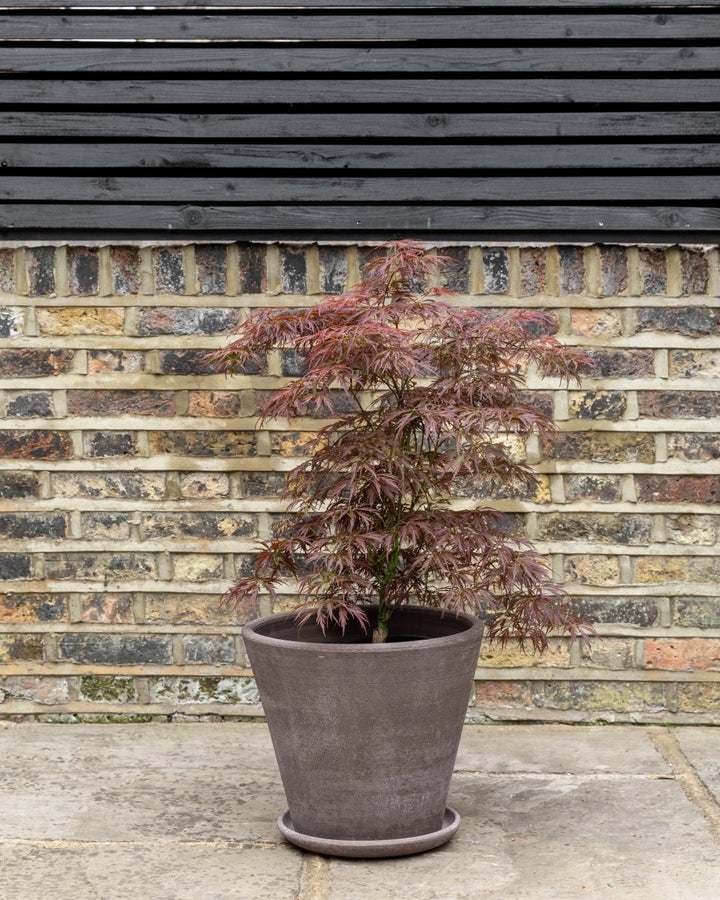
x: 433, y: 392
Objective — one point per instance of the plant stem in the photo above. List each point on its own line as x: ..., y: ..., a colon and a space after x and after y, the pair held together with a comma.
x: 380, y: 634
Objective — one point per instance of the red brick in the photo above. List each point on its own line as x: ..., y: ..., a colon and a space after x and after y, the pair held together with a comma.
x: 682, y: 654
x: 125, y: 269
x: 695, y: 271
x: 653, y: 271
x: 224, y: 404
x: 35, y: 445
x: 502, y: 694
x: 679, y: 404
x: 120, y: 403
x: 533, y: 272
x: 35, y: 363
x: 678, y: 488
x: 106, y: 608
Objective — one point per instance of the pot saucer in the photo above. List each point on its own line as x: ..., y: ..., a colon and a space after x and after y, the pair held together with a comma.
x: 372, y: 849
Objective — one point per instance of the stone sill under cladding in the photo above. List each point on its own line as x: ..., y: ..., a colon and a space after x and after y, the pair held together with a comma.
x: 133, y: 481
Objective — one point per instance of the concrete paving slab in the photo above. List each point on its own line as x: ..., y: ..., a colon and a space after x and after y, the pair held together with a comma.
x: 187, y: 812
x: 134, y: 782
x: 558, y: 748
x: 147, y: 872
x: 553, y: 838
x: 701, y: 747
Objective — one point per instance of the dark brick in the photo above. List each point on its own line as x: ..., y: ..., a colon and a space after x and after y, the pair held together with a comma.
x: 21, y: 608
x: 11, y: 322
x: 102, y: 444
x: 613, y: 270
x: 40, y: 263
x: 82, y: 271
x: 293, y: 270
x: 619, y: 363
x: 601, y: 446
x: 601, y: 488
x: 694, y: 446
x: 333, y: 269
x: 603, y: 527
x: 679, y: 404
x: 262, y: 484
x: 181, y: 320
x: 14, y: 485
x: 198, y: 362
x: 293, y: 363
x: 638, y: 611
x: 26, y: 647
x: 116, y: 650
x: 203, y: 525
x: 125, y: 268
x: 454, y: 274
x: 208, y: 648
x: 15, y: 566
x: 339, y: 403
x: 695, y: 271
x: 35, y: 363
x: 692, y: 321
x: 497, y: 277
x: 120, y: 403
x: 7, y: 271
x: 533, y: 274
x: 35, y: 445
x: 678, y: 488
x: 29, y: 405
x: 572, y: 270
x: 224, y: 444
x: 99, y: 565
x: 696, y: 612
x: 168, y: 270
x: 252, y: 268
x: 538, y: 401
x: 211, y: 266
x: 18, y: 526
x: 653, y: 271
x: 610, y: 405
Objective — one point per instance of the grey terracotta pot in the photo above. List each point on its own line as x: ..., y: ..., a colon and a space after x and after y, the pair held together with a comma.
x: 365, y: 734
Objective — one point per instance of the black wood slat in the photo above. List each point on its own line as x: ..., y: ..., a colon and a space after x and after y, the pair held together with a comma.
x: 364, y: 4
x: 316, y: 125
x: 379, y: 157
x: 354, y: 4
x: 399, y: 190
x: 61, y: 91
x: 586, y: 117
x: 253, y: 26
x: 371, y: 58
x: 426, y: 218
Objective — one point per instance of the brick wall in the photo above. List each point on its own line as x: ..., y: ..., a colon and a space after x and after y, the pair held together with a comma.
x: 133, y: 482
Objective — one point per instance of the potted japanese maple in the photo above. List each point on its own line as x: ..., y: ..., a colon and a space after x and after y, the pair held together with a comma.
x: 366, y: 683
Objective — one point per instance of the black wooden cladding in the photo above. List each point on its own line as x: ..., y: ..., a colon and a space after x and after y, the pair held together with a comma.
x: 546, y: 119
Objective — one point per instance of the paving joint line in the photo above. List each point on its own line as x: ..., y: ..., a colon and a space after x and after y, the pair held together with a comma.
x: 314, y: 878
x: 685, y: 774
x: 59, y: 843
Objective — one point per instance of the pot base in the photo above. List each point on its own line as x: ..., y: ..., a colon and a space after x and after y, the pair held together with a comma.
x: 372, y: 849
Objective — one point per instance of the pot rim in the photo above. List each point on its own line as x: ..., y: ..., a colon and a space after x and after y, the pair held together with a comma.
x: 474, y: 625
